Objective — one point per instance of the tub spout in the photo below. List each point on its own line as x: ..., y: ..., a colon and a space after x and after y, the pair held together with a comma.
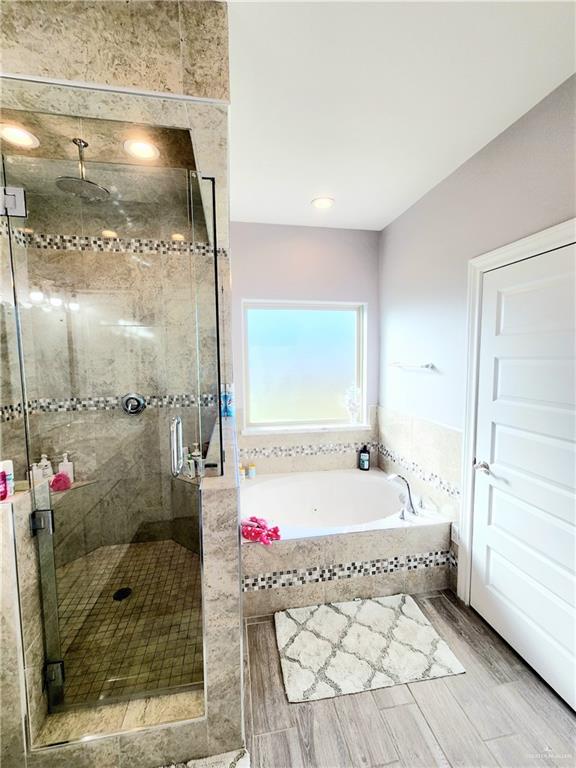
x: 410, y: 506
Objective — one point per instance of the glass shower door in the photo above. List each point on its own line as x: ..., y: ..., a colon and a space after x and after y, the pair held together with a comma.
x: 110, y: 291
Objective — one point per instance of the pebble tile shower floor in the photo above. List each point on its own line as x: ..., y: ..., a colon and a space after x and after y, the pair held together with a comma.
x: 147, y: 642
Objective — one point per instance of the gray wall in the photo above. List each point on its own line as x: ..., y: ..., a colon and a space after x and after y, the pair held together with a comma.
x: 522, y: 182
x: 304, y: 263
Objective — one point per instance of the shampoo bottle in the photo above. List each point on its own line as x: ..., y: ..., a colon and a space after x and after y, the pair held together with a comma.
x: 37, y: 475
x: 45, y: 466
x: 8, y: 468
x: 364, y: 458
x: 66, y: 467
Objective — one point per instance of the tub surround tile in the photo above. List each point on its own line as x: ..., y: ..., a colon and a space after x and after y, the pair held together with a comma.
x: 316, y: 574
x: 429, y: 454
x: 306, y: 451
x: 265, y: 602
x: 429, y: 579
x: 378, y: 585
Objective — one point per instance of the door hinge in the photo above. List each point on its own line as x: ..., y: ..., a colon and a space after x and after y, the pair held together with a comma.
x: 13, y: 202
x: 42, y: 520
x: 54, y: 682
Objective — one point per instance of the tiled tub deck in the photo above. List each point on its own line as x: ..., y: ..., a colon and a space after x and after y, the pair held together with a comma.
x: 411, y: 557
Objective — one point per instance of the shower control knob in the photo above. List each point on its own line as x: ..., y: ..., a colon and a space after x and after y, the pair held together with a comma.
x: 482, y: 466
x: 133, y: 403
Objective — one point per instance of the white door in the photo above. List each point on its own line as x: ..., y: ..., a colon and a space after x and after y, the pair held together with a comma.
x: 523, y: 552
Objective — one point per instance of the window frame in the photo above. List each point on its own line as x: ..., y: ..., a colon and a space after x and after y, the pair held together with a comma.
x: 360, y: 308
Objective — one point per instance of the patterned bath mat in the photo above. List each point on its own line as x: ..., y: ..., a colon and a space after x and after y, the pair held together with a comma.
x: 337, y: 648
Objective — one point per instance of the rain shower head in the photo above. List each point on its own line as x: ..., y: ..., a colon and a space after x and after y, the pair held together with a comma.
x: 81, y: 186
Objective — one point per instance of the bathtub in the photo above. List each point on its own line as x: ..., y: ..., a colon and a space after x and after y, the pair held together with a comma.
x: 342, y: 538
x: 307, y: 504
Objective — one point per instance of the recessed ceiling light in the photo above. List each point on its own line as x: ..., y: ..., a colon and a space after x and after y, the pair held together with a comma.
x: 109, y: 233
x: 143, y: 150
x: 177, y: 237
x: 323, y: 202
x: 20, y: 137
x: 56, y: 301
x: 73, y: 306
x: 36, y: 296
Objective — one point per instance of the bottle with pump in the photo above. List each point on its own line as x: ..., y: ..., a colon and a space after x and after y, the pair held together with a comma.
x: 364, y: 458
x: 66, y: 467
x: 45, y: 466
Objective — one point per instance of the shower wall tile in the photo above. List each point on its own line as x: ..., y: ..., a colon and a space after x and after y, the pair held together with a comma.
x: 12, y: 739
x: 175, y: 47
x: 63, y: 100
x: 28, y: 568
x: 205, y: 48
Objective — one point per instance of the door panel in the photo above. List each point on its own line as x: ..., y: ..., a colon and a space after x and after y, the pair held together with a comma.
x: 523, y: 578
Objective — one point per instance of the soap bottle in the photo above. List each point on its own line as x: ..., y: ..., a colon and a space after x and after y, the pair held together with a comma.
x: 3, y: 485
x: 37, y: 475
x: 251, y: 471
x: 45, y: 466
x: 242, y: 472
x: 66, y: 467
x: 8, y: 468
x: 364, y: 458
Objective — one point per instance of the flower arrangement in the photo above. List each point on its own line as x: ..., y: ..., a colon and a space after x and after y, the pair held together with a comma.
x: 257, y: 529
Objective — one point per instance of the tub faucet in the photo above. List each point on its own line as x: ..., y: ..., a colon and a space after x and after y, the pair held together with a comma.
x: 410, y: 505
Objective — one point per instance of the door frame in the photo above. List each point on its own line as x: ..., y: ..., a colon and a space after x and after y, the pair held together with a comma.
x: 547, y: 240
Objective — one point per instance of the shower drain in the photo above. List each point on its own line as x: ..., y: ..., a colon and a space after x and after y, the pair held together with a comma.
x: 122, y: 593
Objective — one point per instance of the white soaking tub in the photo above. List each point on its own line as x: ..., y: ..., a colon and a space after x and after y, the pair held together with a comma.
x: 309, y: 504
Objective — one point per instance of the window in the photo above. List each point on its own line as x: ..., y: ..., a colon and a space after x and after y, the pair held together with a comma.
x: 304, y: 365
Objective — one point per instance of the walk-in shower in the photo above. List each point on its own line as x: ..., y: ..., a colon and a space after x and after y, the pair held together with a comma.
x: 109, y: 331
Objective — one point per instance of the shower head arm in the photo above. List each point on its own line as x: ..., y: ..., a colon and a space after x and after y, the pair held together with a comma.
x: 81, y: 144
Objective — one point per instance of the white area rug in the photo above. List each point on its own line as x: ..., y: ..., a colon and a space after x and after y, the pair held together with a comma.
x: 337, y: 648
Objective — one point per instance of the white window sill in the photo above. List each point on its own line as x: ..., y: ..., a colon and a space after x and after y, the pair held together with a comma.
x: 305, y: 429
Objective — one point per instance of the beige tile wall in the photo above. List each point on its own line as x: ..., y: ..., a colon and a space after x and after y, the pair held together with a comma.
x: 339, y: 445
x: 179, y: 46
x: 434, y: 448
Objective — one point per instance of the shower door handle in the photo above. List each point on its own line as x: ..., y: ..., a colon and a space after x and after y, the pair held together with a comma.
x: 176, y: 447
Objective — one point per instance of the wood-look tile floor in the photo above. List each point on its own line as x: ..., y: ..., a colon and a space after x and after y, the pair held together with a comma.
x: 499, y: 713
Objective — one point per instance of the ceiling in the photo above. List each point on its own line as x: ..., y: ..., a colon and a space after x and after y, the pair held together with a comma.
x: 373, y: 104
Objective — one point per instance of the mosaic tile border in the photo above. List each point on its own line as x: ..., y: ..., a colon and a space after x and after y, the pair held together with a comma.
x: 430, y: 478
x: 317, y: 449
x: 316, y: 574
x: 15, y: 411
x: 108, y: 244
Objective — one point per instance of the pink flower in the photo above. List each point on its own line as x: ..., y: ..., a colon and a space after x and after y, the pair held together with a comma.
x: 257, y: 529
